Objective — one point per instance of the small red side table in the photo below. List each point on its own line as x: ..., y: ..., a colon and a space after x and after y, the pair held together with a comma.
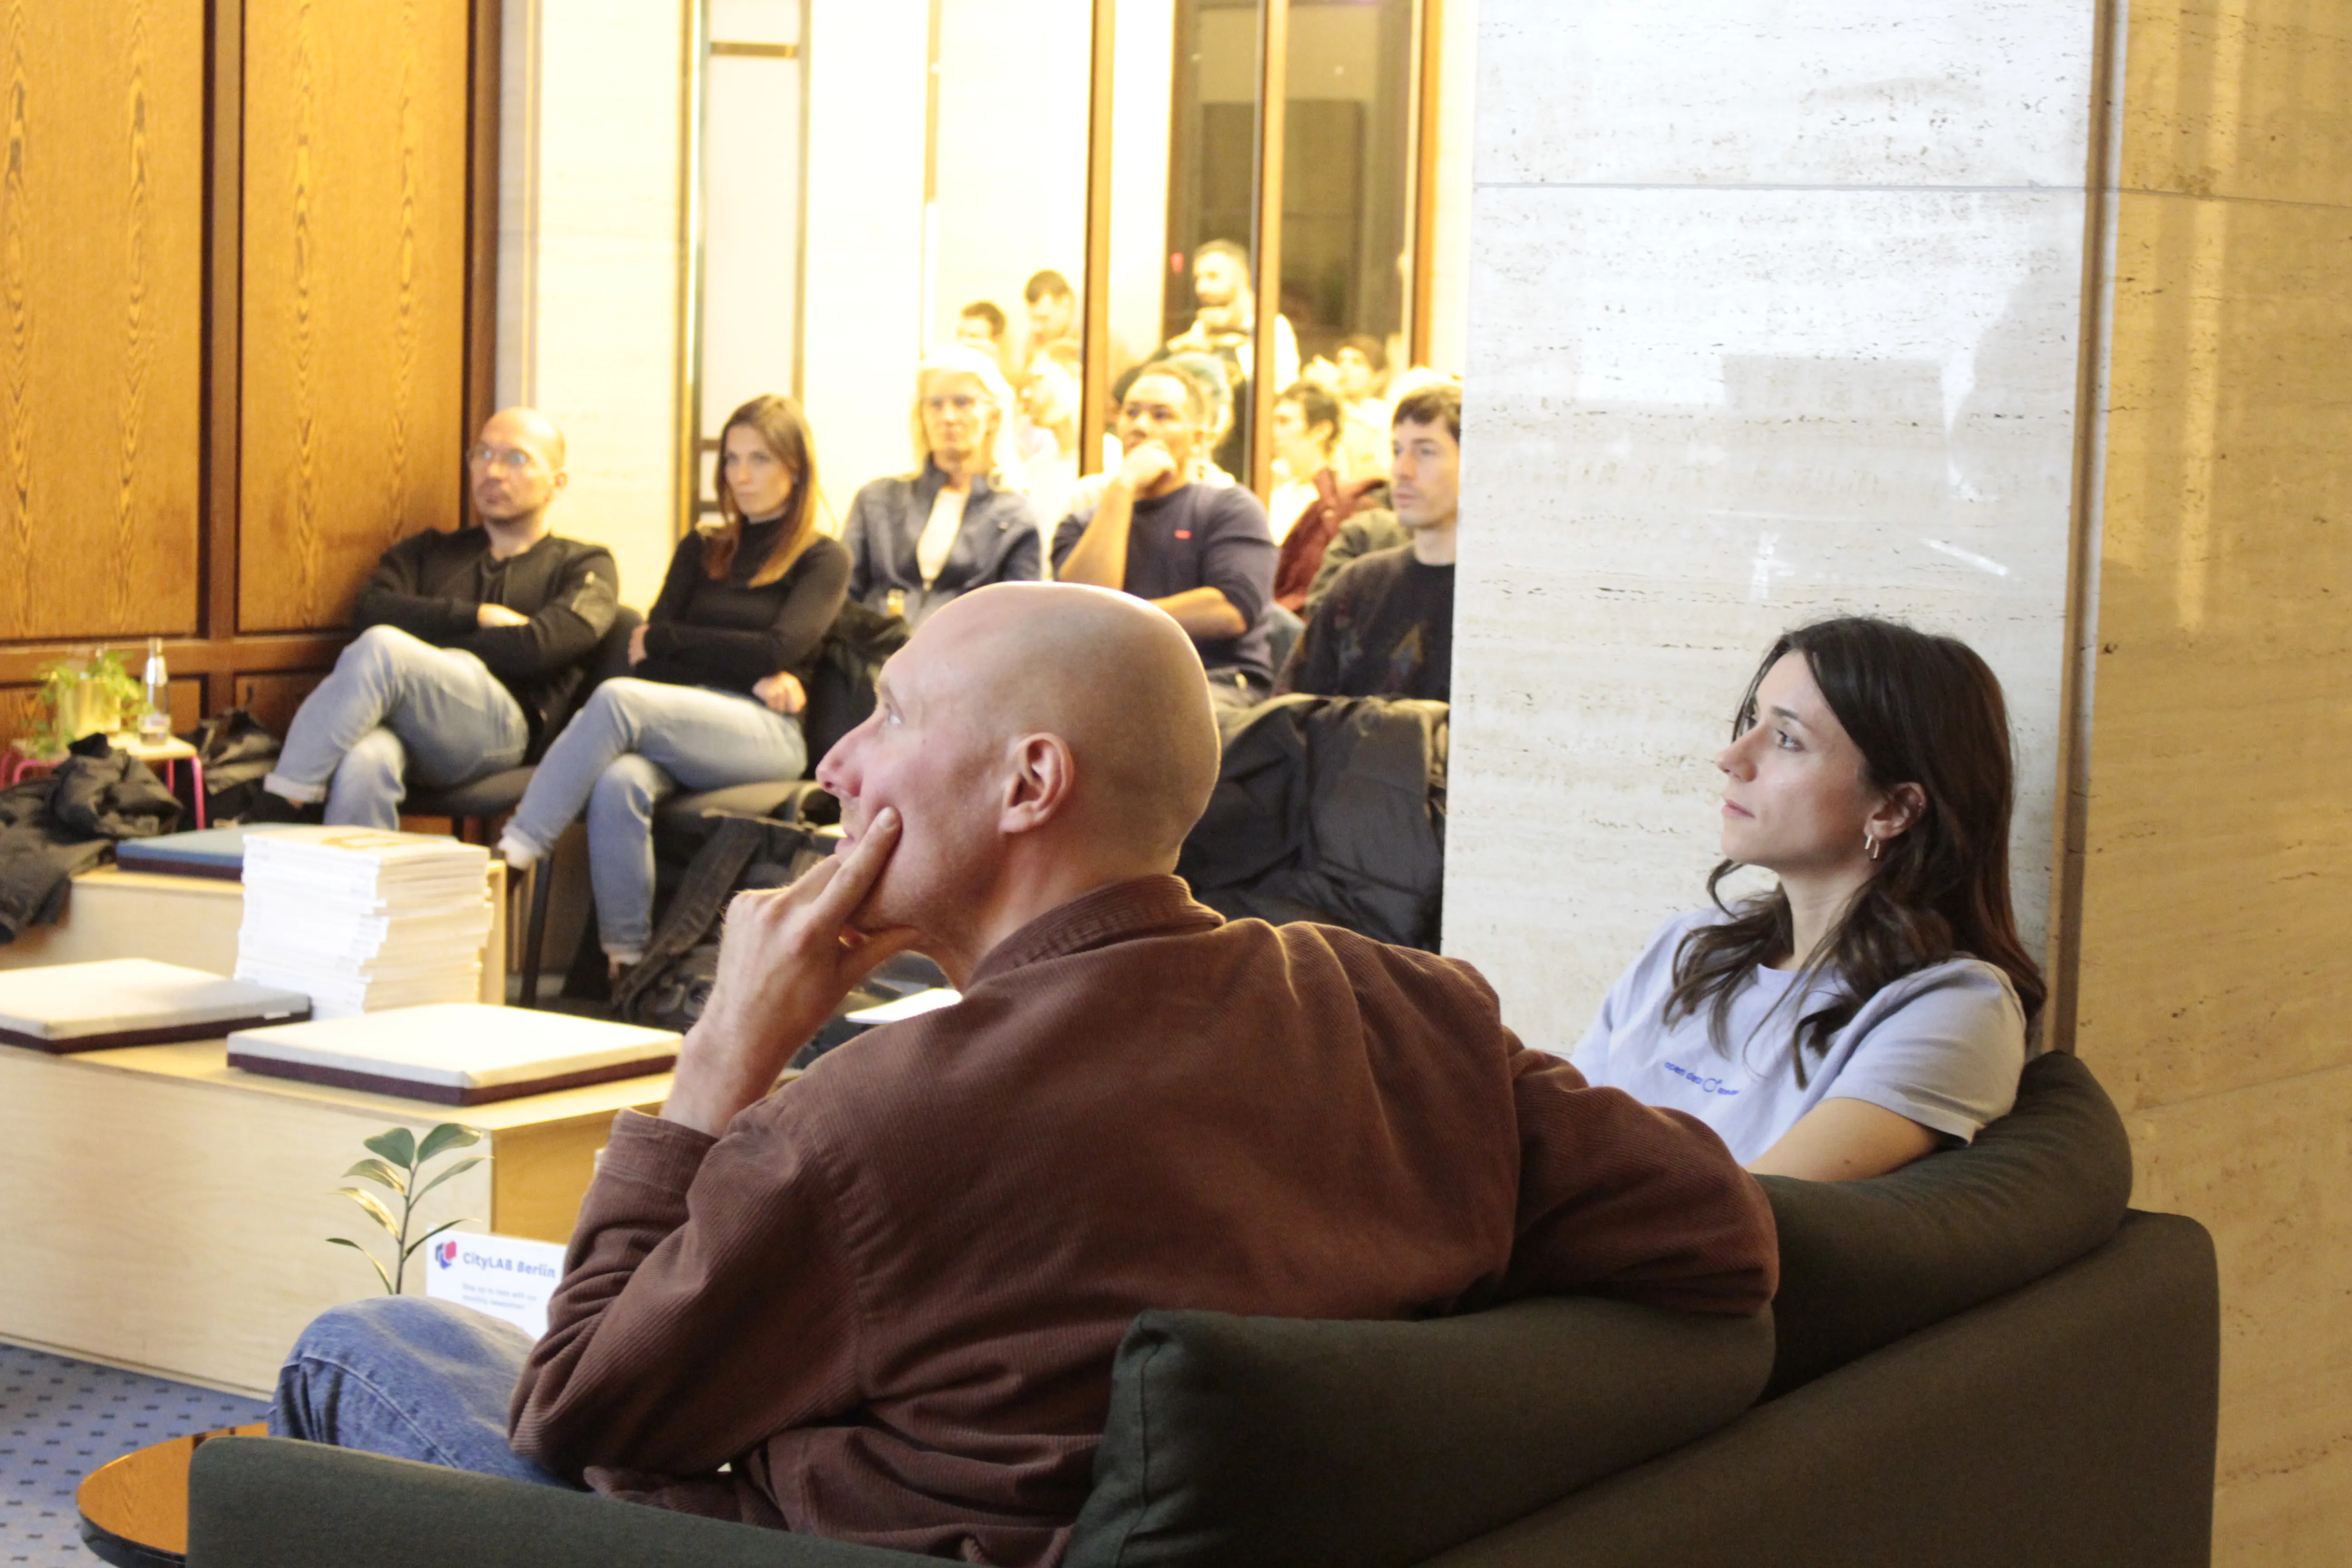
x: 22, y: 761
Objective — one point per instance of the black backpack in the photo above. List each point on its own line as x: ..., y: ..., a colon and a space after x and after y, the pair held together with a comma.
x: 668, y: 987
x: 237, y: 751
x: 840, y: 682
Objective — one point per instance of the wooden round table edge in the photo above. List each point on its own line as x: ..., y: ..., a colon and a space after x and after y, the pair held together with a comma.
x: 134, y: 1510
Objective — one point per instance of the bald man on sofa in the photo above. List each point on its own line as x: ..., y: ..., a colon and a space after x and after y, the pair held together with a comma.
x: 881, y: 1302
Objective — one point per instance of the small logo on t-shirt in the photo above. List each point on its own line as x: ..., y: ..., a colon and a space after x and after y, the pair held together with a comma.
x: 1183, y: 533
x: 1706, y: 1085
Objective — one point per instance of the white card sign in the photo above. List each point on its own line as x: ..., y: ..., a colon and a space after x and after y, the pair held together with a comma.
x: 504, y: 1276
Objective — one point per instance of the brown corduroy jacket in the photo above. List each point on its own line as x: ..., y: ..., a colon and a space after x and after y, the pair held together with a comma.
x: 891, y: 1295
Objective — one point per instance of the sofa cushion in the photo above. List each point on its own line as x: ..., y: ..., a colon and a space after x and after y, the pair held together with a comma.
x: 1251, y: 1442
x: 1865, y: 1263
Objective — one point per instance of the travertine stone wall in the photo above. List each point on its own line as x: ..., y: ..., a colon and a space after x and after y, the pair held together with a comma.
x: 1777, y: 308
x: 1774, y: 313
x: 2217, y: 881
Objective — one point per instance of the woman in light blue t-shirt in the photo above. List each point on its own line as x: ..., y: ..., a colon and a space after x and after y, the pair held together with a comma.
x: 1874, y: 1005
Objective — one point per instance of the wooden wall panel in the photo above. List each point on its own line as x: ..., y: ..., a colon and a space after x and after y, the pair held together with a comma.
x: 100, y: 288
x: 354, y: 295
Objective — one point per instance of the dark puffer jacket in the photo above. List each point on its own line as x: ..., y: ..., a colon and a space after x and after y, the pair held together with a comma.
x: 1330, y: 809
x: 64, y: 822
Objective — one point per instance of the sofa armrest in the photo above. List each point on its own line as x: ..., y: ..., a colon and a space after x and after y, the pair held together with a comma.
x: 1238, y: 1442
x: 2067, y: 1425
x: 267, y: 1502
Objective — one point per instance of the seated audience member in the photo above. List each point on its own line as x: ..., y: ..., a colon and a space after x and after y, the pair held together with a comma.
x: 1306, y: 428
x: 1224, y: 329
x: 1225, y: 322
x: 1214, y: 376
x: 1306, y: 421
x: 1361, y: 367
x: 982, y: 326
x: 1052, y: 307
x: 1049, y: 404
x: 959, y: 520
x: 471, y: 646
x: 1385, y: 628
x: 715, y: 687
x: 881, y: 1302
x: 1200, y: 552
x: 1373, y: 529
x: 1874, y: 1005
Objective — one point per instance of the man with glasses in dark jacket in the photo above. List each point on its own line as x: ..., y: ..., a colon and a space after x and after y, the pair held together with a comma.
x: 471, y: 646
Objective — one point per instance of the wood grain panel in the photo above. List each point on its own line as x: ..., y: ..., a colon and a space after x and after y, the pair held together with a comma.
x: 100, y: 288
x: 354, y: 295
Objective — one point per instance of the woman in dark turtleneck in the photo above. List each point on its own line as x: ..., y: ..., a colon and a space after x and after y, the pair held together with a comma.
x: 716, y: 684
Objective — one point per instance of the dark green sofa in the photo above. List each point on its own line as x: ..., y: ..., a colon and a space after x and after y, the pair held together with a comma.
x: 1980, y: 1360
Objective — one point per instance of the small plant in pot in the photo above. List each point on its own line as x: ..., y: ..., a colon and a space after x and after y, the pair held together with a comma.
x: 84, y: 695
x: 396, y: 1162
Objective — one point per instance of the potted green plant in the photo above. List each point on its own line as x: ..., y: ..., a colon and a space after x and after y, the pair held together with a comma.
x: 84, y: 695
x: 396, y: 1162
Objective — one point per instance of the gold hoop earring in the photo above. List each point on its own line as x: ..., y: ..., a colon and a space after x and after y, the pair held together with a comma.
x: 1870, y: 843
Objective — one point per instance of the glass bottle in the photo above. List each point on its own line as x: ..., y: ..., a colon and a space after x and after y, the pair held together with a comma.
x: 155, y: 722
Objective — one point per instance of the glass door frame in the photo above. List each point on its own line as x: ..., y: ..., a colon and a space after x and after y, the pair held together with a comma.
x: 1266, y: 243
x: 1095, y: 345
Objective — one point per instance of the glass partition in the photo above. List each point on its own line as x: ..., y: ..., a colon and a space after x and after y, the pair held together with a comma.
x: 1004, y: 228
x: 1347, y: 190
x: 743, y: 320
x: 1208, y: 300
x: 1345, y: 183
x: 1044, y: 146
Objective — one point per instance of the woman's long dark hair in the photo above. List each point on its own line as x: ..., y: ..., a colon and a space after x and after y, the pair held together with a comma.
x: 1923, y: 710
x: 781, y: 426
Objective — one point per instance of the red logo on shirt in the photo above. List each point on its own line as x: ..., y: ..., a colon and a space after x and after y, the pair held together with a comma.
x: 1183, y: 533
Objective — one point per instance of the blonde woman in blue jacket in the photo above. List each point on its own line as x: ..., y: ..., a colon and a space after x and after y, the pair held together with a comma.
x: 960, y: 519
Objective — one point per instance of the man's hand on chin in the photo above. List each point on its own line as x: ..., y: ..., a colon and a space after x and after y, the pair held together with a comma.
x: 785, y: 961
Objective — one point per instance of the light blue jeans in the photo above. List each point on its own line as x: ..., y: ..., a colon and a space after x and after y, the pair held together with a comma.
x: 635, y: 744
x: 396, y: 709
x: 410, y: 1378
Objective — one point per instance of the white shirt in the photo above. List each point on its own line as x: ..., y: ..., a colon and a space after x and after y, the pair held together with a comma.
x: 1942, y: 1045
x: 939, y: 533
x: 1052, y: 482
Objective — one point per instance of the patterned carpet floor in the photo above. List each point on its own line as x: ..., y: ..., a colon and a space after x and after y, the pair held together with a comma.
x: 59, y: 1420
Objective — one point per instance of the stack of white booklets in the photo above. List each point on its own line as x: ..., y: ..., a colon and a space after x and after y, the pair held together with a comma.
x: 360, y: 920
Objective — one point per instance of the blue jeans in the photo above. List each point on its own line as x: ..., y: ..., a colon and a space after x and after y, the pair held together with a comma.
x: 632, y: 745
x: 395, y: 707
x: 410, y: 1378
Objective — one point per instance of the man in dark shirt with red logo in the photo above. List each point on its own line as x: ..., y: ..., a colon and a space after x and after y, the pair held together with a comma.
x: 471, y: 645
x: 1200, y: 551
